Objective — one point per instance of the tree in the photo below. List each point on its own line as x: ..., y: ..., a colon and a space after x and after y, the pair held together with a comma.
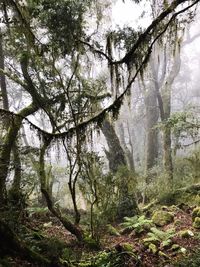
x: 46, y: 73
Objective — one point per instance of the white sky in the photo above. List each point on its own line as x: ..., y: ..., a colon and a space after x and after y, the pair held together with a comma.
x: 129, y: 13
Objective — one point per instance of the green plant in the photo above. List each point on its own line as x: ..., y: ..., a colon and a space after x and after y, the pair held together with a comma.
x: 159, y: 237
x: 112, y: 258
x: 139, y: 224
x: 36, y: 210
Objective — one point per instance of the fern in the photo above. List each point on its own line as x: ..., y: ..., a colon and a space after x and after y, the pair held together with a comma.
x: 139, y: 224
x: 160, y: 237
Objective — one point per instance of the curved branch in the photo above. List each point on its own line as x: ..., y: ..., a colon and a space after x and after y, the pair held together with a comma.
x: 150, y: 30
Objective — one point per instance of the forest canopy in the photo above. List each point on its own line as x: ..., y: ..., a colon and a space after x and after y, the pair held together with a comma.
x: 99, y: 128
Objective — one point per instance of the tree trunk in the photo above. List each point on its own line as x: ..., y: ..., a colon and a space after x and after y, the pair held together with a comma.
x: 69, y: 226
x: 72, y: 190
x: 15, y: 190
x: 15, y: 194
x: 128, y: 152
x: 166, y: 98
x: 115, y: 154
x: 152, y: 133
x: 8, y: 142
x: 167, y: 155
x: 75, y: 230
x: 2, y: 76
x: 127, y: 205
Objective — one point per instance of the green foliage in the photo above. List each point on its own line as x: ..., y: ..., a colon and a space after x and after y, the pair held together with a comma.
x: 112, y: 230
x: 53, y: 247
x: 36, y: 210
x: 159, y: 237
x: 91, y: 242
x: 183, y: 124
x: 99, y: 191
x: 139, y: 224
x: 125, y: 183
x: 193, y: 260
x: 125, y: 179
x: 124, y: 38
x: 162, y: 217
x: 106, y: 194
x: 128, y: 247
x: 167, y: 198
x: 64, y: 21
x: 5, y: 262
x: 193, y: 162
x: 127, y: 206
x: 108, y: 259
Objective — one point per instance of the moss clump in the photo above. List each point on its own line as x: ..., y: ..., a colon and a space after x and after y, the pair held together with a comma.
x: 175, y: 247
x: 162, y: 217
x: 128, y: 247
x: 153, y: 248
x: 186, y: 234
x: 196, y: 223
x: 195, y: 213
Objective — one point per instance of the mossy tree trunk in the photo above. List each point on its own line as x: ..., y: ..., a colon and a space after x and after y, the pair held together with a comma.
x: 166, y: 110
x: 8, y: 143
x: 15, y: 194
x: 128, y: 152
x: 163, y: 88
x: 152, y: 115
x: 116, y: 157
x: 115, y: 154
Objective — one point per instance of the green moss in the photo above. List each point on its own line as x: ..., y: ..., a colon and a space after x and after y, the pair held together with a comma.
x: 196, y: 223
x: 153, y: 248
x: 175, y: 247
x: 186, y: 234
x: 161, y: 217
x: 196, y: 213
x: 128, y: 247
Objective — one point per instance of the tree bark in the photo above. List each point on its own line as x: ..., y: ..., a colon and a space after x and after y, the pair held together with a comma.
x: 75, y: 230
x: 128, y: 152
x: 15, y: 190
x: 2, y: 76
x: 15, y: 194
x: 115, y: 154
x: 8, y: 142
x: 166, y: 100
x: 152, y: 114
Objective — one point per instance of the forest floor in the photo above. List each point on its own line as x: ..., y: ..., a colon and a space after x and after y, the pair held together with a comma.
x: 131, y: 245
